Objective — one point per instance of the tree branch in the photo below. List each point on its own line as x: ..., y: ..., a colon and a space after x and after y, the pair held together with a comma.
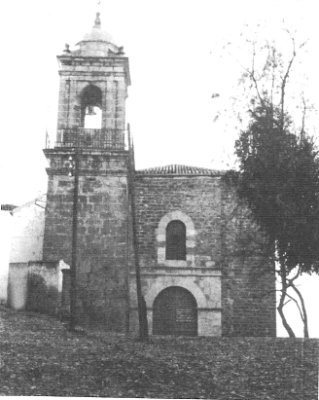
x: 298, y: 306
x: 282, y: 301
x: 284, y: 81
x: 291, y: 280
x: 303, y: 306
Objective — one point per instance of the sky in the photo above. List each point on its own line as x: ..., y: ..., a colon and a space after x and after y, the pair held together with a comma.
x: 180, y: 53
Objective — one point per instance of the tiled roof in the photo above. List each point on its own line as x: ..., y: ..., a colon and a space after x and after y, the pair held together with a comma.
x: 176, y: 169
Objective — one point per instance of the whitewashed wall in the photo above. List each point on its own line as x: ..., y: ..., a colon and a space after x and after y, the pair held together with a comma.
x: 27, y: 232
x: 21, y: 238
x: 6, y: 221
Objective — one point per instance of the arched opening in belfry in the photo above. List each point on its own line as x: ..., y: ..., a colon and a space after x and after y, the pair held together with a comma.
x: 91, y: 107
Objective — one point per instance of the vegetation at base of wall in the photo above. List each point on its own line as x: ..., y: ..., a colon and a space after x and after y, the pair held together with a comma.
x: 40, y: 297
x: 39, y: 356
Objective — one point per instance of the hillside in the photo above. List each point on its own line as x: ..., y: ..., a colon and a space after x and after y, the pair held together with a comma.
x: 40, y: 357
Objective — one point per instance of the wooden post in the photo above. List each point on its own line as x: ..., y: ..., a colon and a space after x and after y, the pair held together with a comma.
x: 75, y: 171
x: 141, y: 305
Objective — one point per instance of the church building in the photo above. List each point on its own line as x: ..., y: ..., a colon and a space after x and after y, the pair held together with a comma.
x: 204, y: 265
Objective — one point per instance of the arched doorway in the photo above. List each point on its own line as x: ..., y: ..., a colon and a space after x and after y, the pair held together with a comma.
x: 175, y: 312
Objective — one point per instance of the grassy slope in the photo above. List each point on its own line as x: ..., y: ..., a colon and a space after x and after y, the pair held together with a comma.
x: 39, y: 357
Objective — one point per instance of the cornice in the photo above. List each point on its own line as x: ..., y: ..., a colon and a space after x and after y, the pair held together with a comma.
x: 87, y: 172
x: 68, y: 63
x: 63, y: 151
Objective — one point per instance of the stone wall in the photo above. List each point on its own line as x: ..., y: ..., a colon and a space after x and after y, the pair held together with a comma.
x: 103, y: 232
x: 159, y: 200
x: 197, y: 197
x: 249, y: 300
x: 226, y: 242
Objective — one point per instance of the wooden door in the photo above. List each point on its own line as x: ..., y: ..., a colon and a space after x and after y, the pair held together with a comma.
x: 175, y: 313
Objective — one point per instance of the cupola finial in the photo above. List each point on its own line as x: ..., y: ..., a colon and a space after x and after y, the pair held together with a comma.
x: 97, y: 22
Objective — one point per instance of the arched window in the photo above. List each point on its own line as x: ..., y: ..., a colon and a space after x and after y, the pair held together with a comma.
x: 175, y: 240
x: 91, y: 107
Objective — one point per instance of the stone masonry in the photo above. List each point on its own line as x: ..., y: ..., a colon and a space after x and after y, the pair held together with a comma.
x: 225, y: 256
x: 102, y: 233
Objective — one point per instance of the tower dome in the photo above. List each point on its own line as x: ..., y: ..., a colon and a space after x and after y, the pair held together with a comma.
x: 97, y: 42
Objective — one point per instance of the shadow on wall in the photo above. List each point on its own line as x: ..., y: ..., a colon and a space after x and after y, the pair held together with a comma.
x: 40, y: 297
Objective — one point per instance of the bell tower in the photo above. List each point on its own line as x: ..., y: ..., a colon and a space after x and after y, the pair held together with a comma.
x: 93, y: 82
x: 91, y: 204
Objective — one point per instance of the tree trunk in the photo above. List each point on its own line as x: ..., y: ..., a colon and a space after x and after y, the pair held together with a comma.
x: 304, y: 311
x: 281, y: 304
x: 282, y: 316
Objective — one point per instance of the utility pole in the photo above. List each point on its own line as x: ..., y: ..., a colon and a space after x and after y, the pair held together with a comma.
x: 141, y: 305
x: 74, y: 171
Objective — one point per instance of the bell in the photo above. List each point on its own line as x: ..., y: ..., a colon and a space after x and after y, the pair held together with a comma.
x: 90, y: 110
